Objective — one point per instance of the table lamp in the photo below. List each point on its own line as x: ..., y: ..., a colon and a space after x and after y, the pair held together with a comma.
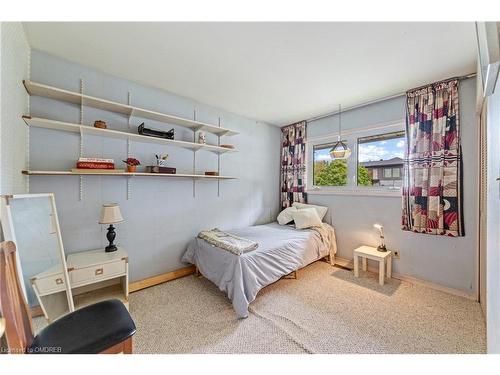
x: 381, y: 247
x: 110, y: 214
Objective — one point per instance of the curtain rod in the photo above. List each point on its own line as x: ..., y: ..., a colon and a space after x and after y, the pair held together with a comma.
x: 373, y: 101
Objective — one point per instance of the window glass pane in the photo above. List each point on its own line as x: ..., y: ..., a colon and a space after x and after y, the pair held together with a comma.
x: 380, y: 160
x: 328, y: 172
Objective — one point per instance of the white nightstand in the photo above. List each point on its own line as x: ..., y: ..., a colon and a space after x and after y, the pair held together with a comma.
x: 370, y: 252
x: 93, y: 276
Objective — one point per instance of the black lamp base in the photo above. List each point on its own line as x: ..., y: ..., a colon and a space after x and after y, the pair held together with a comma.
x: 111, y: 235
x: 382, y: 248
x: 110, y: 248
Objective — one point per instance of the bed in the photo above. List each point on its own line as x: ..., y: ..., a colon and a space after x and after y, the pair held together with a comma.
x: 282, y: 250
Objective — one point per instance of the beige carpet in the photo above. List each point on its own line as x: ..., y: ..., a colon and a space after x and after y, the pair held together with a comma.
x: 326, y: 310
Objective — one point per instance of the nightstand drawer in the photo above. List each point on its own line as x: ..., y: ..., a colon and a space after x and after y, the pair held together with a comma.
x: 50, y: 284
x: 86, y: 275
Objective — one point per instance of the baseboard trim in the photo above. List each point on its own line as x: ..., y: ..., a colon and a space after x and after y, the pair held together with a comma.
x: 346, y: 263
x: 160, y: 279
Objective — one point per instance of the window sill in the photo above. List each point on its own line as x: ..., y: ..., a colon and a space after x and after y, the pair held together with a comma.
x: 355, y: 192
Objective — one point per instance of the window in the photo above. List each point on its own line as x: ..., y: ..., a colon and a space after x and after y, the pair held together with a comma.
x: 328, y: 172
x: 380, y: 160
x: 374, y: 168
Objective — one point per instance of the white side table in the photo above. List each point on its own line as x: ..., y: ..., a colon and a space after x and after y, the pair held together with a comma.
x: 370, y: 252
x: 94, y: 276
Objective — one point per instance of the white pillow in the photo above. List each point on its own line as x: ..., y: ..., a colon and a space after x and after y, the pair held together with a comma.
x: 306, y: 218
x: 320, y: 210
x: 286, y: 215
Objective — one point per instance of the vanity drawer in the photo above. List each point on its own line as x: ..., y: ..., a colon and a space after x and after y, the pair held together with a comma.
x: 91, y: 274
x: 49, y: 284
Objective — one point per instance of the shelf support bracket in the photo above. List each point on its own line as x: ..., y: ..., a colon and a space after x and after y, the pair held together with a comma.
x: 129, y: 192
x: 80, y: 196
x: 194, y: 155
x: 218, y: 162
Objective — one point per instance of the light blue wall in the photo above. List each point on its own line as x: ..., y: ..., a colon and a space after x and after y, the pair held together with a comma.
x: 162, y: 215
x: 450, y: 262
x: 14, y: 63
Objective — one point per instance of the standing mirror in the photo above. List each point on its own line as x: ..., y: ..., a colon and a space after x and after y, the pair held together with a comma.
x: 31, y: 222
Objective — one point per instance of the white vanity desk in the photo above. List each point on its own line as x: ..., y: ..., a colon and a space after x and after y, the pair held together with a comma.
x: 94, y: 276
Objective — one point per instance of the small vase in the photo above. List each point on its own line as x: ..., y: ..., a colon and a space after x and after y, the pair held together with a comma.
x: 131, y: 168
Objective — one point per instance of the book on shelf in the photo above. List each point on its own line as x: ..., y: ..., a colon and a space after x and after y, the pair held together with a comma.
x: 95, y: 170
x: 96, y: 160
x: 94, y: 165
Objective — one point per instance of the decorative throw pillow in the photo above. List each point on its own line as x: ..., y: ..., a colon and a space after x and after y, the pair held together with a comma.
x: 286, y: 216
x: 306, y: 218
x: 321, y: 210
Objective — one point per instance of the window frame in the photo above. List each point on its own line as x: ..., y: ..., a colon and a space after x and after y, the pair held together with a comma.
x: 351, y: 136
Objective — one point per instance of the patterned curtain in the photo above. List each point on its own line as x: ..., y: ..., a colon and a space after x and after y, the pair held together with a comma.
x: 432, y: 191
x: 293, y: 164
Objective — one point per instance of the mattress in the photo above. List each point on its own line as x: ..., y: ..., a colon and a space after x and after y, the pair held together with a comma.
x: 282, y: 250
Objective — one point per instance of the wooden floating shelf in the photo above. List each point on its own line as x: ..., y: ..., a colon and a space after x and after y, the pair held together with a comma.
x: 39, y: 89
x: 90, y: 130
x: 128, y: 174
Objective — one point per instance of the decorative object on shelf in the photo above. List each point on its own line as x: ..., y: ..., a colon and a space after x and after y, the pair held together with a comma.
x: 381, y: 247
x: 211, y: 173
x: 158, y: 169
x: 340, y: 149
x: 132, y: 164
x: 110, y: 214
x: 202, y: 138
x: 161, y: 161
x: 89, y: 165
x: 155, y: 133
x: 100, y: 124
x: 95, y: 163
x: 231, y: 147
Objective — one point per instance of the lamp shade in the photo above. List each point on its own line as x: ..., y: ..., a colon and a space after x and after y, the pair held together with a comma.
x: 340, y: 150
x: 110, y: 214
x: 380, y: 228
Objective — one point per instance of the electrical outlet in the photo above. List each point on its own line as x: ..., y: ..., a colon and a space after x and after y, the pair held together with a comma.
x: 395, y: 255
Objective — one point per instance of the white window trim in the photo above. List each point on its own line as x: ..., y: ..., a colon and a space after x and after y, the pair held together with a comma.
x: 350, y: 135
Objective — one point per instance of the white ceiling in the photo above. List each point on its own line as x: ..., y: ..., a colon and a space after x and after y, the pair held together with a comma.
x: 274, y: 72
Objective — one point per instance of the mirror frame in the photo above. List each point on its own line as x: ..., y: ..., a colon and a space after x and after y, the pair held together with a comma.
x: 10, y: 235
